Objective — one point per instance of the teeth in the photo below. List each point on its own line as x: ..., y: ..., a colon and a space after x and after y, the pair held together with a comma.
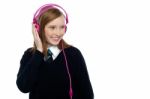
x: 55, y: 38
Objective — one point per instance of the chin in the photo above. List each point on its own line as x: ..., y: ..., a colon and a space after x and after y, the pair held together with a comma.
x: 54, y: 43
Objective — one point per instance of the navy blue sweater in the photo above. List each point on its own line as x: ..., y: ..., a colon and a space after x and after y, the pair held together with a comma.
x: 50, y: 80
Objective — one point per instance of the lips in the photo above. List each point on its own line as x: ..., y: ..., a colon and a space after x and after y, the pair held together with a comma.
x: 56, y: 38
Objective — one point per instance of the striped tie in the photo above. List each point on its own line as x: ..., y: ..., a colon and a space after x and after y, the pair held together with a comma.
x: 49, y: 56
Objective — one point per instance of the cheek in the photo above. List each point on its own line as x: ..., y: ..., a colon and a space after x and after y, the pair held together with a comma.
x: 63, y: 33
x: 47, y: 32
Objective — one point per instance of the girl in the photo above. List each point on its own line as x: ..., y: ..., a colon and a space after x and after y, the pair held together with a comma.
x: 53, y: 69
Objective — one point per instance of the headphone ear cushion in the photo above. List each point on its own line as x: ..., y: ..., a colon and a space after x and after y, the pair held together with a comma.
x: 65, y: 28
x: 37, y: 26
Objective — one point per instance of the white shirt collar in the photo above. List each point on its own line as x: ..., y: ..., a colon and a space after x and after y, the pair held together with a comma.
x: 55, y: 51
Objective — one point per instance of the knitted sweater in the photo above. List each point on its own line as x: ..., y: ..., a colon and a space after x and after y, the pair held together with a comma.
x: 43, y: 80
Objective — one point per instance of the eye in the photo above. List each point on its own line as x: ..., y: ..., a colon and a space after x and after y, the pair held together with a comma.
x: 52, y: 27
x: 62, y: 27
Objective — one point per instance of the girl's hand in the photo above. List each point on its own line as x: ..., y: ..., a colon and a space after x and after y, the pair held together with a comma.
x: 37, y: 39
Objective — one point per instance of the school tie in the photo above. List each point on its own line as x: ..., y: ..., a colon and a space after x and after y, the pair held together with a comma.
x: 49, y: 56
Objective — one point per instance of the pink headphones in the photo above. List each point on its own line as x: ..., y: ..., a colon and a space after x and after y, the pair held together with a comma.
x: 44, y: 8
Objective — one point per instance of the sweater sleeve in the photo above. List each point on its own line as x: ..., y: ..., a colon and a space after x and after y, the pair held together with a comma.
x: 84, y: 87
x: 29, y: 67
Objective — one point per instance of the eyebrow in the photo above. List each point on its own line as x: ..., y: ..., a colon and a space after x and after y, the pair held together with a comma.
x: 56, y: 25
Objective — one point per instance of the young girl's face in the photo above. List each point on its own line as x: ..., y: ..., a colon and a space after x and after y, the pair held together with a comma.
x: 55, y: 30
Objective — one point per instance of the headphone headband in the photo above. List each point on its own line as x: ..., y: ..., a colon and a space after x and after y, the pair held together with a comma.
x: 44, y: 8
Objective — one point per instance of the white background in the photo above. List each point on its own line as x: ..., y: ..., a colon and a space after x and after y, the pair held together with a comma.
x: 113, y: 36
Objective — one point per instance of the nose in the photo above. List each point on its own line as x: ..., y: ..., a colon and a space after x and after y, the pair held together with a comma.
x: 58, y: 31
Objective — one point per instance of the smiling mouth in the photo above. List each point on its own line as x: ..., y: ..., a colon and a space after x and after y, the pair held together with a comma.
x: 55, y: 38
